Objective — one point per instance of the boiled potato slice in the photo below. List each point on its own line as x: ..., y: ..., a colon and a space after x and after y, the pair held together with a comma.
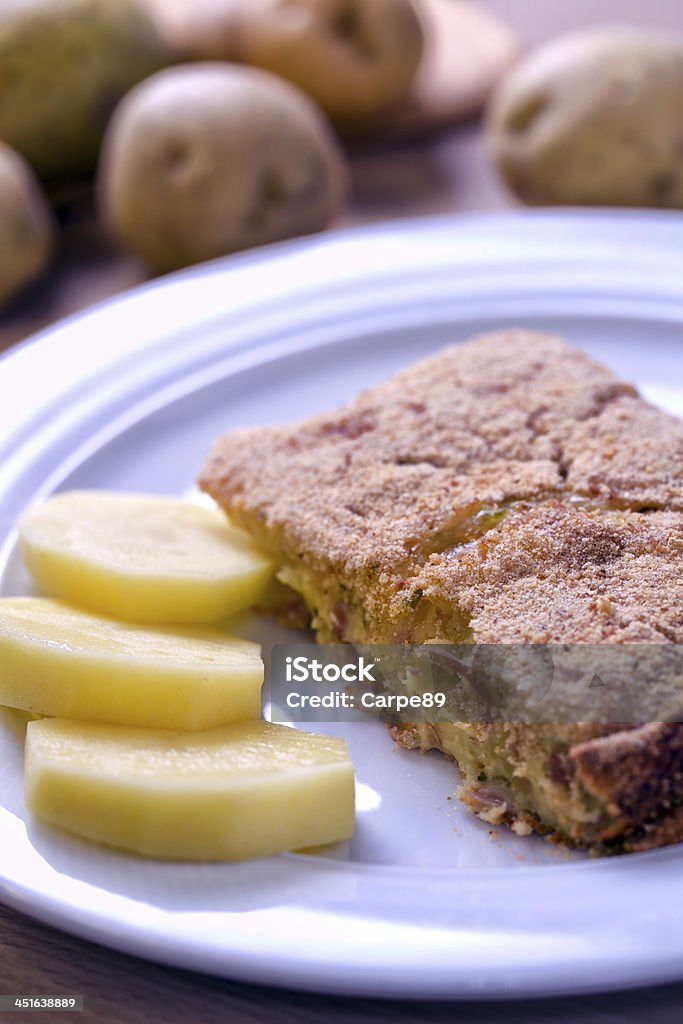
x: 56, y: 660
x: 239, y: 792
x: 142, y: 558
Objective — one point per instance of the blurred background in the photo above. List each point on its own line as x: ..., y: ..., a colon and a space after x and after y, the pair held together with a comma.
x: 142, y: 136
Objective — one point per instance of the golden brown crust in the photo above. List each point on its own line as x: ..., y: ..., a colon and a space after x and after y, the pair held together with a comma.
x: 558, y: 574
x: 367, y: 494
x: 504, y: 416
x: 633, y: 777
x: 662, y: 829
x: 635, y: 773
x: 509, y: 489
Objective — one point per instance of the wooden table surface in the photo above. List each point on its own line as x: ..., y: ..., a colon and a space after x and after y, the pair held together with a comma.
x: 446, y: 174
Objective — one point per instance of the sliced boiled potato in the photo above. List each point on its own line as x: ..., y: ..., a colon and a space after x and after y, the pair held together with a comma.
x: 142, y: 558
x: 234, y: 793
x: 59, y: 661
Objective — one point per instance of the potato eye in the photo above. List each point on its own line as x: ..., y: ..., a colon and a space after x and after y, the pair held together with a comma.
x: 348, y: 26
x: 522, y: 118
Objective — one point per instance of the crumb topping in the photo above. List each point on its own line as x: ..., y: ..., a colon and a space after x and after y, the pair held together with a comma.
x: 564, y: 466
x: 509, y: 489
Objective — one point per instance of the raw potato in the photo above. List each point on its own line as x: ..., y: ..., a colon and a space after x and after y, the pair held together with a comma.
x: 58, y: 661
x: 206, y: 159
x: 142, y: 558
x: 594, y: 118
x: 357, y: 58
x: 235, y: 793
x: 27, y: 227
x: 64, y: 65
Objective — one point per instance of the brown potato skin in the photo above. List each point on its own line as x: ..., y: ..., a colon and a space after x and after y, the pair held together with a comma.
x: 64, y: 65
x: 208, y: 159
x: 27, y: 225
x: 357, y: 58
x: 593, y: 118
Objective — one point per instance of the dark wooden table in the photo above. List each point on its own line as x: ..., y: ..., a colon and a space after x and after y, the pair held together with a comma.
x: 446, y: 174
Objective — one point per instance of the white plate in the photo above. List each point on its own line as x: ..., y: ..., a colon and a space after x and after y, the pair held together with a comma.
x: 425, y: 901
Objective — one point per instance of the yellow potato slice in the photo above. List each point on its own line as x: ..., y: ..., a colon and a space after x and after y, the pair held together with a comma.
x: 59, y: 661
x: 235, y: 793
x: 142, y: 558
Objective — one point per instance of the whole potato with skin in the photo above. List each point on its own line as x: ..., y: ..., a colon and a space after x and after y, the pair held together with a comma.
x: 594, y: 118
x: 207, y: 159
x: 64, y: 65
x: 357, y: 58
x: 27, y: 226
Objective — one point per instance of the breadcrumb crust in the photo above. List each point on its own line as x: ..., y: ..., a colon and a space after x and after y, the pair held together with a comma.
x: 508, y: 489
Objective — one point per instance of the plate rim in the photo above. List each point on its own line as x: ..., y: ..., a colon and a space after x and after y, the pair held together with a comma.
x: 52, y: 911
